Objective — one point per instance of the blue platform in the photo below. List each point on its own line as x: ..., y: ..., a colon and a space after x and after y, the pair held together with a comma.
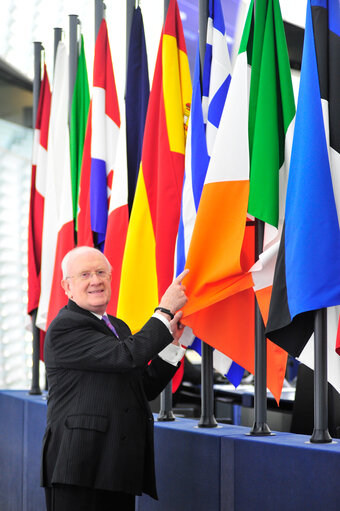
x: 219, y: 469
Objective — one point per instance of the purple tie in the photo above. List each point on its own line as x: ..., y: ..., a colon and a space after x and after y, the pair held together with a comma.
x: 110, y: 325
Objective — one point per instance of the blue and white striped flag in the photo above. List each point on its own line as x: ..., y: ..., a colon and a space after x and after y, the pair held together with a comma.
x: 206, y: 111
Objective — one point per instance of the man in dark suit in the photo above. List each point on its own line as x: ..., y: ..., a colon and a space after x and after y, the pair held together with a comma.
x: 98, y: 445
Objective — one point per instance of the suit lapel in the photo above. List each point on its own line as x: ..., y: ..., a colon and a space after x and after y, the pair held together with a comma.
x: 100, y: 325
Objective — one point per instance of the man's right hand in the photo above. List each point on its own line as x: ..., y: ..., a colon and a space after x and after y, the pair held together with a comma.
x: 174, y: 297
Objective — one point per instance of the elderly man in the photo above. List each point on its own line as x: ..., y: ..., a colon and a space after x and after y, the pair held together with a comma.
x: 98, y: 446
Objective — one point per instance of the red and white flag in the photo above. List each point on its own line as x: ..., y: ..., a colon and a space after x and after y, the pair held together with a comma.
x: 58, y: 228
x: 38, y: 190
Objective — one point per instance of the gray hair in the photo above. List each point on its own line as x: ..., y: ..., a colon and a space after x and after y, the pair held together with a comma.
x: 79, y: 250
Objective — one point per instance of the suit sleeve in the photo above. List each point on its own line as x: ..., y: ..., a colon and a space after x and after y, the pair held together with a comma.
x: 157, y: 376
x: 74, y: 344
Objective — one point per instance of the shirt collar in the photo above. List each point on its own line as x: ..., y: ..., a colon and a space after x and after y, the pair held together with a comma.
x: 99, y: 316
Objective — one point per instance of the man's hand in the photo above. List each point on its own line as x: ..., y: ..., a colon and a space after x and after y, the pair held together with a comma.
x: 174, y: 297
x: 177, y: 327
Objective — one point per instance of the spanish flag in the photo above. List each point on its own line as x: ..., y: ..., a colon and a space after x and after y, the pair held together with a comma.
x: 148, y: 263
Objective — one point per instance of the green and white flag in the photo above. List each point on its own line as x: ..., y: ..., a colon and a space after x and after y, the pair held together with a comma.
x: 271, y: 124
x: 78, y: 121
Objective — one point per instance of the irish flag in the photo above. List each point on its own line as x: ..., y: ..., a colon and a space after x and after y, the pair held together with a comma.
x: 251, y: 138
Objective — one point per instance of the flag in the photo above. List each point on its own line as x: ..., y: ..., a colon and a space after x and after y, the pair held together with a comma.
x: 105, y: 124
x: 333, y: 360
x: 38, y: 190
x: 78, y: 120
x: 84, y: 230
x: 136, y: 100
x: 307, y: 275
x: 58, y: 232
x: 221, y: 252
x: 148, y: 264
x: 203, y: 125
x: 123, y: 186
x: 118, y: 220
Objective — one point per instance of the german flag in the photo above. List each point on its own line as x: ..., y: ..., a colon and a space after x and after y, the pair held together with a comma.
x: 148, y: 263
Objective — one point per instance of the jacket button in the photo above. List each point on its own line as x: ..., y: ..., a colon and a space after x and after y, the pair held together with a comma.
x: 126, y: 410
x: 123, y: 437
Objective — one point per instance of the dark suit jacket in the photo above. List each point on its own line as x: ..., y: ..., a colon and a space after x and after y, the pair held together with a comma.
x: 99, y: 430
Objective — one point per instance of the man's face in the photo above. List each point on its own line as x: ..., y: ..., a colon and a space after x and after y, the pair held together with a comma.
x: 88, y: 281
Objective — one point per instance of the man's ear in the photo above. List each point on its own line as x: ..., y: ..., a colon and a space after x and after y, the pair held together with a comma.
x: 66, y: 287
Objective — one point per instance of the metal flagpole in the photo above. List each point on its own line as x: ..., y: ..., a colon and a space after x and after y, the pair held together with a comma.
x: 165, y: 412
x: 57, y: 38
x: 37, y: 79
x: 320, y: 433
x: 260, y: 426
x: 35, y: 387
x: 130, y: 7
x: 166, y: 5
x: 207, y: 419
x: 98, y: 16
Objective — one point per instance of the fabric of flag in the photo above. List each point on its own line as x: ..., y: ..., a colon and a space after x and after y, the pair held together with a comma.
x: 78, y: 121
x: 84, y: 229
x: 58, y: 226
x: 136, y: 100
x: 333, y: 360
x: 105, y: 119
x: 307, y: 275
x: 204, y: 120
x: 118, y: 217
x: 221, y: 253
x: 38, y: 190
x: 148, y: 264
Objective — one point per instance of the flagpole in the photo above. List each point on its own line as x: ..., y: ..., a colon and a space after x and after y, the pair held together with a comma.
x: 166, y: 5
x: 207, y: 419
x: 165, y: 412
x: 130, y: 7
x: 57, y: 38
x: 35, y: 387
x: 99, y: 9
x: 260, y: 426
x: 320, y: 433
x: 99, y: 14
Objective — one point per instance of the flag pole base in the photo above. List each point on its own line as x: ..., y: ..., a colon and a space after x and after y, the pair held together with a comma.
x: 35, y: 391
x: 260, y: 429
x: 320, y: 436
x: 165, y: 416
x: 207, y: 422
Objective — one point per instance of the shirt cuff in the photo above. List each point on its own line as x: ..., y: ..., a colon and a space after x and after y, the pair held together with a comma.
x: 172, y: 354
